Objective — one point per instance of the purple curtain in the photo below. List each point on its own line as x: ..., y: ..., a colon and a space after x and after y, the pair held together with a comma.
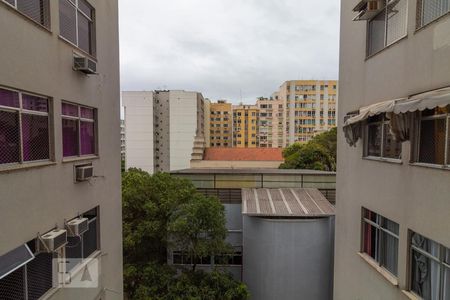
x: 87, y: 137
x: 9, y: 137
x: 70, y: 137
x: 34, y: 103
x: 35, y: 138
x: 69, y: 110
x: 9, y: 98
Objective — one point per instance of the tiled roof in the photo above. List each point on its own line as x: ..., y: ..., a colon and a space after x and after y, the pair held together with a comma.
x: 286, y: 202
x: 249, y: 154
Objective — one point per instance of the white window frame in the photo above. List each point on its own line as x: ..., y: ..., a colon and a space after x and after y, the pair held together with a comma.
x: 420, y: 15
x: 382, y: 123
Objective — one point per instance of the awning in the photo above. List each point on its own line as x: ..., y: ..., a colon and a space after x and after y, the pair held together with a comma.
x: 420, y: 102
x: 372, y: 110
x: 15, y: 259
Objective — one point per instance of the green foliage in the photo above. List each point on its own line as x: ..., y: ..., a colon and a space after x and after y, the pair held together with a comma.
x: 160, y: 211
x: 317, y: 154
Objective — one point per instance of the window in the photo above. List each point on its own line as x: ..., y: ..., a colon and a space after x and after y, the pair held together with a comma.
x: 433, y: 140
x: 430, y: 10
x: 37, y: 10
x: 380, y: 240
x: 78, y: 130
x: 24, y: 127
x: 429, y: 268
x: 77, y: 24
x: 387, y: 27
x: 379, y: 140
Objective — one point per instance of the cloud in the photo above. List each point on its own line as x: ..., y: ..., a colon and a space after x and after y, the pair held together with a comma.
x: 225, y: 48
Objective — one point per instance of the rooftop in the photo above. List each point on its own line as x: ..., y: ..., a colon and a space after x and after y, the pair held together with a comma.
x: 253, y: 171
x: 285, y: 202
x: 243, y: 154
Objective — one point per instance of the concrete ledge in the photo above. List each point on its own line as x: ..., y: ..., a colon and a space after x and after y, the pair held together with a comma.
x: 386, y: 274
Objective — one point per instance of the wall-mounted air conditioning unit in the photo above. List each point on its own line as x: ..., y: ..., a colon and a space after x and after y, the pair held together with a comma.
x: 54, y: 240
x: 367, y: 9
x: 84, y: 173
x: 77, y: 227
x: 84, y: 64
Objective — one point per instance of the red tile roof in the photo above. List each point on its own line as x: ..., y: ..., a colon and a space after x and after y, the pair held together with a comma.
x: 249, y: 154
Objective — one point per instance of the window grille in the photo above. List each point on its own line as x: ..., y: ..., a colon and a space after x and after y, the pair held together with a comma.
x: 37, y: 10
x: 77, y: 24
x: 430, y: 10
x: 379, y: 141
x: 24, y: 128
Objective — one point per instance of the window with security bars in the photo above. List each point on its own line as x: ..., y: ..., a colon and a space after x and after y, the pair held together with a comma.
x: 78, y: 130
x: 77, y: 24
x: 387, y: 27
x: 430, y: 10
x: 379, y: 141
x: 30, y: 281
x: 380, y: 240
x: 37, y: 10
x: 24, y: 128
x: 429, y: 268
x: 433, y: 142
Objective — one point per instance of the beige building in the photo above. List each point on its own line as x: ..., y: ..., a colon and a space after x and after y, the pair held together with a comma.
x: 220, y: 124
x: 270, y: 134
x: 309, y: 108
x: 245, y: 126
x: 60, y: 195
x: 393, y: 208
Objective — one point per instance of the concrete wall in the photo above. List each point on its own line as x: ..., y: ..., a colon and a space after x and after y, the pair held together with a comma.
x: 414, y: 197
x: 288, y: 259
x: 33, y: 200
x: 161, y: 131
x: 138, y: 130
x: 235, y: 164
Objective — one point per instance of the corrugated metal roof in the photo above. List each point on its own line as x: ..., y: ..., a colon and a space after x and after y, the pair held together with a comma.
x: 285, y: 202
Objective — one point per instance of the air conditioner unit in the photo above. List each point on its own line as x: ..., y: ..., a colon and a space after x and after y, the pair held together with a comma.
x: 84, y: 173
x: 77, y: 227
x: 84, y: 64
x: 54, y: 239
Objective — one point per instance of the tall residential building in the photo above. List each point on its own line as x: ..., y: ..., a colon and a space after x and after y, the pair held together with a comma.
x: 206, y: 121
x: 309, y: 108
x: 160, y: 128
x: 270, y: 134
x: 393, y: 208
x: 245, y: 126
x: 221, y: 124
x: 60, y: 199
x: 122, y: 140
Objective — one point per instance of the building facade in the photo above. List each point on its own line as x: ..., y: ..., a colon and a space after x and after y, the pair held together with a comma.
x: 161, y: 127
x: 392, y: 212
x: 122, y: 140
x: 59, y: 126
x: 221, y: 124
x: 270, y: 133
x: 245, y: 126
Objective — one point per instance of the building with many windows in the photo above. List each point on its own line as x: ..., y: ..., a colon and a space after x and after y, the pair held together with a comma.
x: 60, y: 207
x: 270, y: 133
x: 392, y: 212
x: 221, y: 124
x: 245, y: 126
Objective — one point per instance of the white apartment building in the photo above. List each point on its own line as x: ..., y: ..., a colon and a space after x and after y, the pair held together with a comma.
x: 160, y: 127
x: 60, y: 199
x: 393, y: 204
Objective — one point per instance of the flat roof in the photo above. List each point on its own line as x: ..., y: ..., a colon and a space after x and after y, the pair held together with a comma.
x: 252, y: 171
x: 285, y: 202
x: 243, y: 154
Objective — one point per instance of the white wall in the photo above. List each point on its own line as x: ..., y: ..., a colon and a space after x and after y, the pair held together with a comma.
x: 138, y: 130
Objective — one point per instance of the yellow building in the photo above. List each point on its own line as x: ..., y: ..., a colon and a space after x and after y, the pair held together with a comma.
x: 310, y: 108
x: 245, y: 126
x: 220, y: 125
x: 270, y: 132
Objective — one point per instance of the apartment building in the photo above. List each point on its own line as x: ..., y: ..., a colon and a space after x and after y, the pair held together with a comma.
x: 60, y: 199
x: 270, y: 134
x: 161, y: 127
x: 392, y: 224
x: 122, y: 140
x: 221, y: 124
x: 309, y: 108
x: 245, y: 126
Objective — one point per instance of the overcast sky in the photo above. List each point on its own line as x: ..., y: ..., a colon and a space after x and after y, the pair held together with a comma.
x: 227, y: 48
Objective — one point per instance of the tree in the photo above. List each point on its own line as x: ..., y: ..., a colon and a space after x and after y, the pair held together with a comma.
x: 328, y: 140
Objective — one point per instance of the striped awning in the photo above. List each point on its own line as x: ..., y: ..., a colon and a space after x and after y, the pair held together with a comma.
x: 285, y: 202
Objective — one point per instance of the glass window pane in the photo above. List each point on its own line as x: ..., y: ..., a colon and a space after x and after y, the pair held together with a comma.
x: 391, y: 148
x: 423, y: 243
x: 70, y: 137
x: 40, y: 275
x: 38, y: 10
x: 34, y: 103
x: 433, y: 9
x: 432, y: 141
x: 90, y: 239
x: 370, y: 215
x: 85, y: 8
x: 374, y: 140
x: 12, y: 286
x: 9, y: 98
x: 370, y: 235
x: 9, y: 137
x: 87, y: 137
x: 69, y: 110
x: 446, y: 284
x: 390, y: 225
x: 87, y: 113
x: 73, y: 252
x: 396, y: 20
x: 389, y: 252
x: 67, y: 21
x: 84, y: 33
x: 35, y: 137
x: 424, y: 276
x: 376, y: 33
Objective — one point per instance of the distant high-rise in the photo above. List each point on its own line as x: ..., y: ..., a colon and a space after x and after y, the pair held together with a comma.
x: 221, y: 124
x: 270, y: 133
x: 245, y: 126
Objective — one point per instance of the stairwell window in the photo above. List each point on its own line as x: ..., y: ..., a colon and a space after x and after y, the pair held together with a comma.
x: 380, y: 240
x: 387, y: 27
x: 77, y: 24
x: 379, y: 142
x: 430, y: 10
x: 36, y: 10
